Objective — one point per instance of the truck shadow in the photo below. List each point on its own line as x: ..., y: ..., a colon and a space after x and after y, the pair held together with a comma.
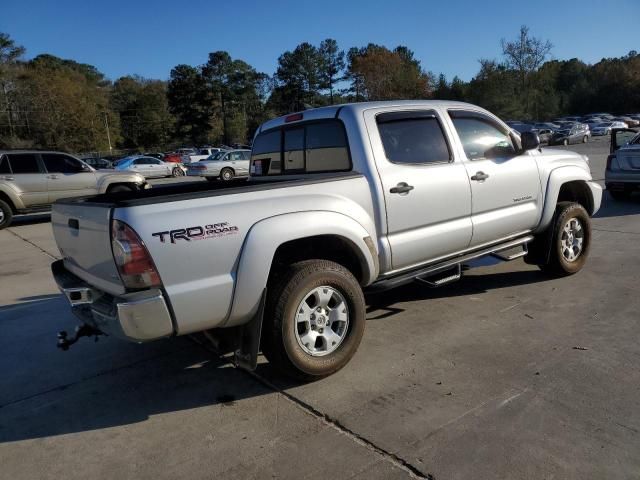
x: 115, y: 383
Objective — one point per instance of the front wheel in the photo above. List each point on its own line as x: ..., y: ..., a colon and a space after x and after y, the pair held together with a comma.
x: 585, y: 139
x: 120, y: 189
x: 177, y: 172
x: 314, y: 319
x: 571, y: 240
x: 226, y: 174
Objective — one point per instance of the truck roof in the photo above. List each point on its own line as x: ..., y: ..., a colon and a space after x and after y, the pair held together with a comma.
x: 333, y: 110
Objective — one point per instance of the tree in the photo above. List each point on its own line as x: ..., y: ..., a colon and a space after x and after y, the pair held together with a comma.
x: 189, y: 100
x: 378, y: 73
x: 299, y: 77
x: 10, y: 54
x: 331, y: 64
x: 525, y: 55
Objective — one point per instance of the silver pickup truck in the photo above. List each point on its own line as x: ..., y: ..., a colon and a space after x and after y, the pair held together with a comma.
x: 341, y: 200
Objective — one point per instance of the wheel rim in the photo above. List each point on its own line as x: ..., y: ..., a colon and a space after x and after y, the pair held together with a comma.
x: 1, y: 216
x: 566, y: 142
x: 572, y: 240
x: 322, y: 321
x: 177, y: 172
x: 226, y: 175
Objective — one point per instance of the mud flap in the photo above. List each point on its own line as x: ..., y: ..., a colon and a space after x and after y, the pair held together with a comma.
x: 540, y: 249
x: 248, y: 340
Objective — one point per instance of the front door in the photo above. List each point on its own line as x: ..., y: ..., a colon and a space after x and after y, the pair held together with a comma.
x: 426, y: 190
x: 67, y: 177
x: 505, y: 184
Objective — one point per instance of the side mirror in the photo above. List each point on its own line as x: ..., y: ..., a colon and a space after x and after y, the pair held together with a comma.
x: 530, y: 141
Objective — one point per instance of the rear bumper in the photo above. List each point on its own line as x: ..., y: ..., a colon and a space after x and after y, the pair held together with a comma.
x: 138, y: 317
x: 621, y: 176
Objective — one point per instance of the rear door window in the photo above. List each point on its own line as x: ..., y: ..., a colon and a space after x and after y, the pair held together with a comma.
x: 413, y: 138
x: 24, y: 163
x: 327, y: 148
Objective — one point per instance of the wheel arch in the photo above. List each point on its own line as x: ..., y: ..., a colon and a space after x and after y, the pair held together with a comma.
x: 288, y: 238
x: 6, y: 198
x: 570, y: 183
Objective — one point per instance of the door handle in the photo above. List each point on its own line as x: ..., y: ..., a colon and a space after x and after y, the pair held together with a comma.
x: 402, y: 187
x: 52, y: 177
x: 8, y: 178
x: 480, y: 177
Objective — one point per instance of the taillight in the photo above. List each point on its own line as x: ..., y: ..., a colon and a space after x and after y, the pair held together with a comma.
x: 609, y: 160
x: 132, y: 258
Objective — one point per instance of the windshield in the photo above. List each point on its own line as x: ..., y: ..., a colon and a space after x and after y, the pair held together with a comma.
x: 216, y: 156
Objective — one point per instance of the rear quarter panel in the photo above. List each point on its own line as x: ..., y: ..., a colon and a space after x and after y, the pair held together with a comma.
x: 199, y: 276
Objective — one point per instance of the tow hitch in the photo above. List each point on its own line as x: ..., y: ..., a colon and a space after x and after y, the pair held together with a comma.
x: 83, y: 330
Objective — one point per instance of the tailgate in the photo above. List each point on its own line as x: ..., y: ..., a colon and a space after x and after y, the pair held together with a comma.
x: 83, y: 234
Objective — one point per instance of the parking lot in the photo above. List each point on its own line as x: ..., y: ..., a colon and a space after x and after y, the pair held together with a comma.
x: 505, y: 374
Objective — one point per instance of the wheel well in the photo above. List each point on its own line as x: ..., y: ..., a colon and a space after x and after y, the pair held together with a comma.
x: 130, y: 186
x: 576, y: 191
x: 325, y: 247
x: 4, y: 197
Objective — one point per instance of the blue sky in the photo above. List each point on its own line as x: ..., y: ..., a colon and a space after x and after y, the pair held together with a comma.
x: 150, y: 37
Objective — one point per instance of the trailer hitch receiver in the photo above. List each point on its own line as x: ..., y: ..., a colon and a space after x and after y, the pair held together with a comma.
x: 84, y: 330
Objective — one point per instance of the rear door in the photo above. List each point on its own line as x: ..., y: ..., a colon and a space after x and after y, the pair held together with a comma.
x: 28, y: 178
x: 505, y: 185
x: 67, y: 177
x: 426, y: 189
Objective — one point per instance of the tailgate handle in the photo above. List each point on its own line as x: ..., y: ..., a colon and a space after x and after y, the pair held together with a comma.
x: 74, y: 223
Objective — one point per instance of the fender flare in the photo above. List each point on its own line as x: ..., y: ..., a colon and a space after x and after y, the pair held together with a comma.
x: 266, y: 236
x: 557, y: 178
x: 111, y: 179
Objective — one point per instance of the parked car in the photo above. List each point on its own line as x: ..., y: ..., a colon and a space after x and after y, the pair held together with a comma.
x: 629, y: 121
x: 172, y: 157
x: 544, y: 134
x: 30, y: 181
x: 203, y: 154
x: 578, y: 133
x: 606, y: 127
x: 150, y: 167
x: 341, y: 199
x: 223, y: 165
x: 622, y: 174
x: 98, y: 163
x: 159, y: 156
x: 548, y: 125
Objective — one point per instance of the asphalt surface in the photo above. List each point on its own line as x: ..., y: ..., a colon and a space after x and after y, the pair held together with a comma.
x: 505, y: 374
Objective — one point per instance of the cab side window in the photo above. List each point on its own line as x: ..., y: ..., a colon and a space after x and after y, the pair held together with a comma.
x: 481, y: 137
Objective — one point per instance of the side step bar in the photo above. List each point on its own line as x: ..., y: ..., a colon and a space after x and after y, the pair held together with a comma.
x: 429, y: 275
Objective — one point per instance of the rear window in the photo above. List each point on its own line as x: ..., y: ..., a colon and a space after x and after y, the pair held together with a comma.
x: 24, y: 163
x: 312, y: 148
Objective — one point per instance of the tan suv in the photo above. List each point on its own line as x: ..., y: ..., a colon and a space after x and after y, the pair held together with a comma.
x: 30, y: 181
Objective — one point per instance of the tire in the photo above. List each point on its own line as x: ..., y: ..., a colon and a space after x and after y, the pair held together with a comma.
x: 565, y: 142
x: 333, y: 338
x: 177, y: 172
x: 571, y: 223
x: 6, y: 214
x: 226, y: 174
x: 585, y: 139
x: 120, y: 189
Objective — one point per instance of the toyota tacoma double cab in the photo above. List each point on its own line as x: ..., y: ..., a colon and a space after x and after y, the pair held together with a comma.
x: 31, y: 180
x: 341, y: 200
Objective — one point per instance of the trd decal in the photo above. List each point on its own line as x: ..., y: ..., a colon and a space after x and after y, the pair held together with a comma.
x: 197, y: 232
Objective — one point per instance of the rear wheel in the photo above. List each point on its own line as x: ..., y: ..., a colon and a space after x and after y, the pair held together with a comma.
x: 6, y: 214
x: 565, y: 142
x: 585, y: 139
x: 314, y: 319
x: 177, y: 172
x: 571, y: 240
x: 226, y: 174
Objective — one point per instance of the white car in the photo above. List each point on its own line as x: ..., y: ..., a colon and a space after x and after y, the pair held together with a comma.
x: 203, y: 154
x: 605, y: 127
x: 225, y: 165
x: 150, y: 167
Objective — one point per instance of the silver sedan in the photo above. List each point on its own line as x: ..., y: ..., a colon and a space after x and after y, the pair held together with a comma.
x: 225, y: 165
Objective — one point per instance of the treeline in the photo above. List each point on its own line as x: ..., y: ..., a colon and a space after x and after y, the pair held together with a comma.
x: 49, y: 102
